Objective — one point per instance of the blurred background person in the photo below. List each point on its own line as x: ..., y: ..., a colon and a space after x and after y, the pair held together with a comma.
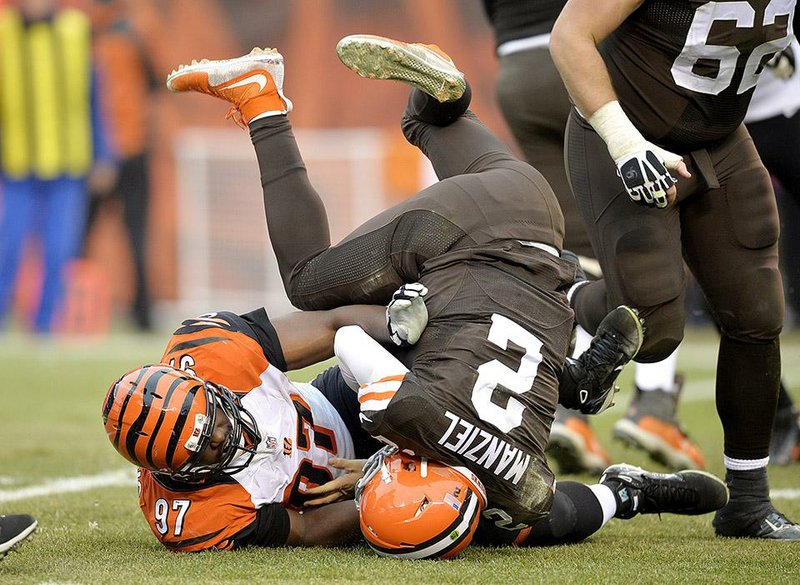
x: 125, y: 99
x: 53, y: 144
x: 535, y: 105
x: 773, y: 120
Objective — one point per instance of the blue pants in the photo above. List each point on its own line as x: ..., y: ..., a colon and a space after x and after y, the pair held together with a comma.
x: 55, y: 210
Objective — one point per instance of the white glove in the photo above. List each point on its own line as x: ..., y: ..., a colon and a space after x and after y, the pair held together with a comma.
x: 407, y: 315
x: 642, y: 166
x: 646, y: 177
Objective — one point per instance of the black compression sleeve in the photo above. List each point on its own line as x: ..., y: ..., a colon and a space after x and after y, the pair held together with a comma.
x: 267, y: 336
x: 270, y: 528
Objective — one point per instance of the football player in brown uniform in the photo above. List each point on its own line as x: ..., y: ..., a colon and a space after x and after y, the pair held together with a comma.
x: 661, y: 87
x: 482, y: 381
x: 536, y: 106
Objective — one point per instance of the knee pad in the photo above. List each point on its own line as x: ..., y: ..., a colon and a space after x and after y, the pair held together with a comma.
x: 647, y: 263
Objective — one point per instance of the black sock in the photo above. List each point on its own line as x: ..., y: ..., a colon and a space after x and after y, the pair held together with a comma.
x: 428, y: 109
x: 748, y: 488
x: 575, y: 515
x: 748, y: 378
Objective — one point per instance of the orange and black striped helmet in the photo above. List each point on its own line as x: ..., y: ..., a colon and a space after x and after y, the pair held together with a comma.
x: 161, y: 419
x: 416, y: 508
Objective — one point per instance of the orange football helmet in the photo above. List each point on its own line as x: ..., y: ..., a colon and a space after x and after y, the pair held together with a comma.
x: 161, y: 419
x: 416, y: 508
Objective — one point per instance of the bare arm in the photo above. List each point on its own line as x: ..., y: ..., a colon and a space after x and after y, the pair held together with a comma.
x: 582, y: 25
x: 580, y: 28
x: 329, y: 525
x: 307, y: 336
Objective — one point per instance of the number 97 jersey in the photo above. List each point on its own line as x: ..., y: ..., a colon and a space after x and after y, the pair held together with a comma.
x: 300, y: 431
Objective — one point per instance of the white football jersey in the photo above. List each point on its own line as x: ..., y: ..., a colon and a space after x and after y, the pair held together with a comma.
x: 300, y: 431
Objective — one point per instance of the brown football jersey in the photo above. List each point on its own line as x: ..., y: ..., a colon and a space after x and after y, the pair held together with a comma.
x: 684, y: 70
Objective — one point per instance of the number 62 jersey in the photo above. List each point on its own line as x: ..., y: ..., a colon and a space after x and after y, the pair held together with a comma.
x: 685, y: 70
x: 300, y: 430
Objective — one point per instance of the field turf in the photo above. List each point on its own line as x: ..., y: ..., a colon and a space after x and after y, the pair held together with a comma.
x: 54, y: 449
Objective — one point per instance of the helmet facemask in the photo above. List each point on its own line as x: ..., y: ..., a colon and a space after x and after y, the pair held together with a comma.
x: 243, y: 438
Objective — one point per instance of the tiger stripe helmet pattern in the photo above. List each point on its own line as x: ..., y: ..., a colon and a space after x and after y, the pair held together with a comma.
x: 416, y: 508
x: 161, y: 419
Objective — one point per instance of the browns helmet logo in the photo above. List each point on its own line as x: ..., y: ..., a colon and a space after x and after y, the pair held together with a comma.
x: 415, y: 508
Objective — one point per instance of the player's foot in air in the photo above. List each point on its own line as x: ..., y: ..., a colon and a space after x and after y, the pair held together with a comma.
x: 750, y: 513
x: 426, y: 67
x: 253, y: 84
x: 641, y: 492
x: 588, y: 382
x: 651, y: 425
x: 15, y: 528
x: 574, y: 446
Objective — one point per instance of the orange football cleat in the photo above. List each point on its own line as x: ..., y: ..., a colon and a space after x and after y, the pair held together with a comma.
x: 426, y: 67
x: 573, y: 444
x: 252, y: 83
x: 652, y: 426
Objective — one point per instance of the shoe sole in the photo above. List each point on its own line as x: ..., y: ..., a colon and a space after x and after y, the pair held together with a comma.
x: 565, y: 447
x: 14, y: 543
x: 266, y: 56
x: 381, y: 58
x: 629, y: 433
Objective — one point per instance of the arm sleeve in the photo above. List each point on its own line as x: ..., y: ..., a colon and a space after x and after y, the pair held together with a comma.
x: 267, y: 337
x: 363, y: 359
x: 270, y: 528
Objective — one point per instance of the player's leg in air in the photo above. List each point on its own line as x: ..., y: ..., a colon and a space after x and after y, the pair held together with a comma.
x: 473, y: 206
x: 385, y: 252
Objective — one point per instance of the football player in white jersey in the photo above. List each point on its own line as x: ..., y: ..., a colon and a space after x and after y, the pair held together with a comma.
x: 222, y: 468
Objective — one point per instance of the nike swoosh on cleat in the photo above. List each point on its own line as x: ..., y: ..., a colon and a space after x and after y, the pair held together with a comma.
x: 258, y: 78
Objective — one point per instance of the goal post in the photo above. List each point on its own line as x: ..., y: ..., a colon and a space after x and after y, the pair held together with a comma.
x: 224, y: 256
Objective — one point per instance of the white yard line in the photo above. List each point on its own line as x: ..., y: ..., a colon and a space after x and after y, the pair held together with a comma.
x: 126, y: 477
x: 66, y: 485
x: 785, y: 494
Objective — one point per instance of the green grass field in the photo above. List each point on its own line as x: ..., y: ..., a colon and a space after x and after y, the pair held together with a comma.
x: 52, y: 436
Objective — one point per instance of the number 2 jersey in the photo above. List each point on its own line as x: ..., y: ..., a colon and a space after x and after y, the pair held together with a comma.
x: 684, y: 70
x: 300, y: 430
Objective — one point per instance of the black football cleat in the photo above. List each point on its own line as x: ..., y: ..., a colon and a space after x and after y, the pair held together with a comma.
x: 750, y: 513
x: 768, y: 523
x: 588, y: 382
x: 15, y: 528
x: 688, y: 493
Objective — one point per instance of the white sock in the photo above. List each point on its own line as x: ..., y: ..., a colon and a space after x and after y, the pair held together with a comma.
x: 574, y: 288
x: 658, y: 375
x: 267, y: 115
x: 606, y: 499
x: 745, y: 464
x: 582, y: 340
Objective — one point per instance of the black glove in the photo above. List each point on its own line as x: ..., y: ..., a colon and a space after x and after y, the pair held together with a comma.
x: 646, y: 179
